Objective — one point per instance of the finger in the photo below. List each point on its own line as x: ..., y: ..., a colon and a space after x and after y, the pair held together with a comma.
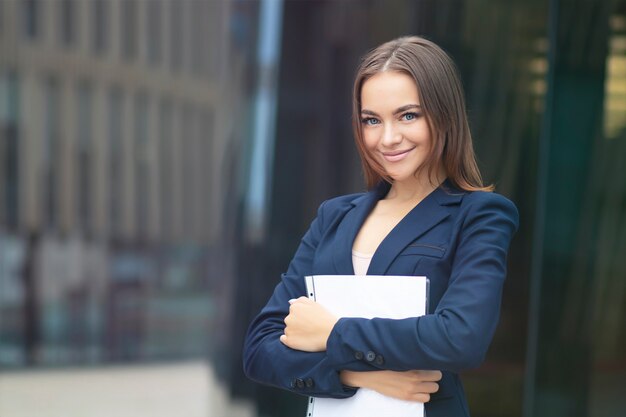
x: 428, y: 375
x: 299, y: 300
x: 422, y: 398
x: 426, y: 388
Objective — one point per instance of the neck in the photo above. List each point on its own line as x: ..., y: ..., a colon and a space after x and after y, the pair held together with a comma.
x: 414, y: 189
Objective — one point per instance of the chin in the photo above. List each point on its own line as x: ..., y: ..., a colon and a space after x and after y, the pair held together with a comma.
x: 401, y: 176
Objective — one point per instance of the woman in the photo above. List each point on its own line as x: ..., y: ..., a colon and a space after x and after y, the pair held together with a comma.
x: 426, y: 213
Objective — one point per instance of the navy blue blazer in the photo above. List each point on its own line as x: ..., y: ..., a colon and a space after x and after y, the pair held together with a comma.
x: 459, y: 240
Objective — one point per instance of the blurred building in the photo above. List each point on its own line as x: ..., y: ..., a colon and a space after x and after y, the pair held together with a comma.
x: 109, y: 171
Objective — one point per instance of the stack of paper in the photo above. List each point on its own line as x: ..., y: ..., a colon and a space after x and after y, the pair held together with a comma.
x: 370, y: 296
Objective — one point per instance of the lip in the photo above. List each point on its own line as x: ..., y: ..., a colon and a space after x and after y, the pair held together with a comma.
x: 396, y: 156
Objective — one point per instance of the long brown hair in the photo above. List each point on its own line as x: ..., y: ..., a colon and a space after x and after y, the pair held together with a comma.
x: 442, y: 101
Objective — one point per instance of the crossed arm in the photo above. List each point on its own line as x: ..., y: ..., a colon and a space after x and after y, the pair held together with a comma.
x: 307, y: 328
x: 278, y: 351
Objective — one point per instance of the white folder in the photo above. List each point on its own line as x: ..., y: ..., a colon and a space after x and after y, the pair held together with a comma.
x: 368, y: 296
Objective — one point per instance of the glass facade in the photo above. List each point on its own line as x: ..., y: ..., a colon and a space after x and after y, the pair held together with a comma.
x: 161, y: 160
x: 99, y: 19
x: 84, y: 154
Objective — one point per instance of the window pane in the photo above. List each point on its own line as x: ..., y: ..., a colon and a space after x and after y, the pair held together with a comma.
x: 100, y: 24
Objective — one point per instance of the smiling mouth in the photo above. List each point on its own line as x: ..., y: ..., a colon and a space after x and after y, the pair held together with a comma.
x: 396, y: 156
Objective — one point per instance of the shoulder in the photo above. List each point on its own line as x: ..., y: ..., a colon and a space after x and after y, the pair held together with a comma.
x: 485, y: 198
x: 483, y: 204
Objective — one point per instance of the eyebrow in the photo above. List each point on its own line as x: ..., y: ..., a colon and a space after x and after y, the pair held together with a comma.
x: 396, y: 111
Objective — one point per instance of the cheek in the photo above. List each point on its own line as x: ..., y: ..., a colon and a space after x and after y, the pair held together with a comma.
x: 370, y: 138
x: 418, y: 132
x: 425, y: 132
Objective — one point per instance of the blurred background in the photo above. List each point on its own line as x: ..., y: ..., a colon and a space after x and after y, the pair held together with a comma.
x: 161, y: 159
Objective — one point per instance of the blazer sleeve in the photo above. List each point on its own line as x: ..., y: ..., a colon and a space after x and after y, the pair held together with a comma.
x: 457, y: 335
x: 267, y: 360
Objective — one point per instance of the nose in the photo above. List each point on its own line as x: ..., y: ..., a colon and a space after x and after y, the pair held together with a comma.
x: 391, y: 137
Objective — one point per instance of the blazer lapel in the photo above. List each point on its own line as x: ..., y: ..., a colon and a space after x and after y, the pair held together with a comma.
x: 350, y: 225
x: 423, y: 217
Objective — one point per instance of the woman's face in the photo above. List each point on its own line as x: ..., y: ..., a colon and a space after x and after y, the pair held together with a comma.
x: 394, y: 127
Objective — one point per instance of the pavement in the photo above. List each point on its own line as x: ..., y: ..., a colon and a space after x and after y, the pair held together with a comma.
x: 187, y: 389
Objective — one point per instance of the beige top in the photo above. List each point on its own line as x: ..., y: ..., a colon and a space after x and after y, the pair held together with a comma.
x: 360, y: 262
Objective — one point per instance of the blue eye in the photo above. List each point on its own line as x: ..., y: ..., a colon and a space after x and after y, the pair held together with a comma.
x: 410, y: 116
x: 370, y: 121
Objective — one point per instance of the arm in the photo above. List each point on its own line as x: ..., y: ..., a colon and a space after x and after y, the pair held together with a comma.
x: 408, y: 385
x: 268, y: 360
x: 456, y: 336
x: 307, y: 328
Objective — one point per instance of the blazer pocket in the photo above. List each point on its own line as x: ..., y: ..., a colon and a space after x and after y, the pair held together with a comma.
x: 424, y: 249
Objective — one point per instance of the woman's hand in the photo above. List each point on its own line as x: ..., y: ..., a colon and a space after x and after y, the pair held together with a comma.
x: 307, y: 326
x: 413, y: 385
